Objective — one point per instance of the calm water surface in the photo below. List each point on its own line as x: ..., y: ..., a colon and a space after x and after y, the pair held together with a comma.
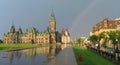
x: 32, y: 56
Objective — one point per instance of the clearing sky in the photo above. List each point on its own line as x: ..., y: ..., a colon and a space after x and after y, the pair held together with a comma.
x: 78, y: 16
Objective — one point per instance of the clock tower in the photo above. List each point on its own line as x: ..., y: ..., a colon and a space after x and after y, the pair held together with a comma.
x: 52, y: 28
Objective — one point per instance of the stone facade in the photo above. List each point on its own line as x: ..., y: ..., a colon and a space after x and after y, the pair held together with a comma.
x: 52, y: 29
x: 66, y: 38
x: 106, y: 25
x: 32, y: 35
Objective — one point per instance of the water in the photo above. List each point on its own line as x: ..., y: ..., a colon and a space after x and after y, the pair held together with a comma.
x: 32, y: 56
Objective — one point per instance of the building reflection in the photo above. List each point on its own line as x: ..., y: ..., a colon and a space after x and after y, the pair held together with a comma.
x: 52, y: 52
x: 49, y: 53
x: 10, y: 56
x: 32, y: 53
x: 35, y: 51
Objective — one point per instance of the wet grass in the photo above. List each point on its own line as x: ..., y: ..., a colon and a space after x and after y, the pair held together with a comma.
x: 90, y: 58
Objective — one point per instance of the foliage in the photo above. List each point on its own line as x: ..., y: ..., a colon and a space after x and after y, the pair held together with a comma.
x: 93, y: 39
x: 112, y: 36
x: 101, y: 35
x: 58, y: 36
x: 118, y: 36
x: 79, y: 40
x: 90, y: 58
x: 1, y: 41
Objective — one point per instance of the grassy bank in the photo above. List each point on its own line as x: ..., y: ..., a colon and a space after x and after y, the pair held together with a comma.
x: 13, y: 46
x: 90, y: 58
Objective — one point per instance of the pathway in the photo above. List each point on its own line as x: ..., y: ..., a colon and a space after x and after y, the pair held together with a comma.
x: 65, y: 57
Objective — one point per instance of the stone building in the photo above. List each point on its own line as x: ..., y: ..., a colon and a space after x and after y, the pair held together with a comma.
x: 65, y: 36
x: 106, y: 25
x: 32, y: 35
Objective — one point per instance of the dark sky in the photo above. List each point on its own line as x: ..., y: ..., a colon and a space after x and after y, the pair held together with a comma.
x: 78, y: 16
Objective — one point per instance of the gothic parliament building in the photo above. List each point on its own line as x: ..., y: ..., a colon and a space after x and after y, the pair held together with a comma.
x: 50, y: 35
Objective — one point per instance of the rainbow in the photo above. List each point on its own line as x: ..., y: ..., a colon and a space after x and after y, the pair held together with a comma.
x: 84, y: 12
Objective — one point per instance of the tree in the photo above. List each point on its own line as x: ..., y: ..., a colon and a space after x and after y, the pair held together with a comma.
x: 112, y: 36
x: 94, y: 39
x: 1, y: 41
x: 101, y: 35
x: 58, y: 36
x: 118, y: 36
x: 79, y: 41
x: 102, y: 39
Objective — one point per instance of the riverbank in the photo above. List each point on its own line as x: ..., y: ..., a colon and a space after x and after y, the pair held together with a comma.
x: 90, y: 58
x: 16, y: 46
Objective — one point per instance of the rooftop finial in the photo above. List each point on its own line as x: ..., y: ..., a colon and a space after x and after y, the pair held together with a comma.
x: 12, y: 22
x: 52, y: 17
x: 52, y: 14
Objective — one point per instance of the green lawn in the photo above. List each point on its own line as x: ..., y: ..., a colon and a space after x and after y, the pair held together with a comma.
x: 23, y: 45
x: 90, y: 58
x: 11, y: 46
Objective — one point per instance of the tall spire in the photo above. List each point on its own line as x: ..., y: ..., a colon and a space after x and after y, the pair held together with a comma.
x: 20, y: 30
x: 52, y: 17
x: 12, y: 29
x: 52, y: 14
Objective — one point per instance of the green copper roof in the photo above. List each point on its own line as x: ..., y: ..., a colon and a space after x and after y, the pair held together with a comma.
x: 31, y: 30
x: 42, y: 33
x: 21, y: 35
x: 12, y: 29
x: 6, y: 35
x: 52, y: 18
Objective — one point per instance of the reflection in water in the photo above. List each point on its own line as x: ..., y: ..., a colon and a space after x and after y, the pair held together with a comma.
x: 35, y: 51
x: 32, y: 56
x: 10, y: 56
x: 52, y: 52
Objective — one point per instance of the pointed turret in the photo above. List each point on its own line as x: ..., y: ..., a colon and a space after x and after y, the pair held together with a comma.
x: 52, y: 17
x: 20, y: 30
x: 63, y: 30
x: 12, y: 29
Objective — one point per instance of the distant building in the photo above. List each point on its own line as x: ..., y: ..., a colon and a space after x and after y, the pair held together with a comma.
x: 32, y: 35
x: 65, y: 36
x: 118, y: 25
x: 106, y: 25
